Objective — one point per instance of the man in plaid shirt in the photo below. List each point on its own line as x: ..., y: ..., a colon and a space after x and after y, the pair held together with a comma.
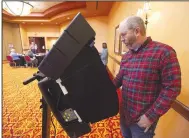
x: 150, y: 77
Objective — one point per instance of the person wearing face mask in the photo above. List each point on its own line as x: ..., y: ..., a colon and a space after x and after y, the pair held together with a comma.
x: 150, y: 77
x: 104, y: 54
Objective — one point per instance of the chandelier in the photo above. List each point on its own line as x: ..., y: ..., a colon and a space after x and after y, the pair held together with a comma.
x: 17, y: 8
x: 145, y: 11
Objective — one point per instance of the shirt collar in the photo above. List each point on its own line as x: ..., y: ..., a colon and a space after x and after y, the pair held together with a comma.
x: 148, y: 40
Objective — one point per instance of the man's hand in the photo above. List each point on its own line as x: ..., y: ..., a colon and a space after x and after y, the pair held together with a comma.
x: 144, y: 122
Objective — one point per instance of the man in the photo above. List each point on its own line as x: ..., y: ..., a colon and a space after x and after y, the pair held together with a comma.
x: 104, y: 54
x: 30, y: 54
x: 32, y: 57
x: 15, y: 57
x: 33, y: 47
x: 150, y: 78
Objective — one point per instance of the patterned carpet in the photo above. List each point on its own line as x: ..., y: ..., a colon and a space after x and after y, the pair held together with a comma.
x: 22, y: 115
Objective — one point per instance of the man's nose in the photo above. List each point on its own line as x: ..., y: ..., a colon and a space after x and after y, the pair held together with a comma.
x: 122, y: 39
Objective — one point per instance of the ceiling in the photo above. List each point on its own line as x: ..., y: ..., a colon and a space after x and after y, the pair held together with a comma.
x: 41, y: 6
x: 59, y: 12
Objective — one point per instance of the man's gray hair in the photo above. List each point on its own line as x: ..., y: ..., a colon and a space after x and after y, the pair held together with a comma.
x: 13, y: 50
x: 132, y: 22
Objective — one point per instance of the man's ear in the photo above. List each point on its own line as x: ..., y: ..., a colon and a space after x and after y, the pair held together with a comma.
x: 137, y: 31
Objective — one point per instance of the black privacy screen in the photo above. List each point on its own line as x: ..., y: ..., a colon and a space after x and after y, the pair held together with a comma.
x: 77, y: 86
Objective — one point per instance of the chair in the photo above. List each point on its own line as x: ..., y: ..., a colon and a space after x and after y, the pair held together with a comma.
x: 11, y: 61
x: 29, y: 61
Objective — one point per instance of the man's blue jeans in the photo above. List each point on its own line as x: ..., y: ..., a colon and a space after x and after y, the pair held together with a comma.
x: 134, y: 131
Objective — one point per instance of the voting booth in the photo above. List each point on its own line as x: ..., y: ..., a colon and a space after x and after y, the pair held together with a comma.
x: 76, y: 84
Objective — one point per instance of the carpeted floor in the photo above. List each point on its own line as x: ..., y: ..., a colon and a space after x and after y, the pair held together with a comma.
x: 22, y: 115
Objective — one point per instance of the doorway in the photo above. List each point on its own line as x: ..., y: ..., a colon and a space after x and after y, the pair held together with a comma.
x: 40, y: 42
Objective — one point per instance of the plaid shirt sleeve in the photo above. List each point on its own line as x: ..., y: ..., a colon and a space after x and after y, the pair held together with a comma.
x: 118, y: 79
x: 171, y: 85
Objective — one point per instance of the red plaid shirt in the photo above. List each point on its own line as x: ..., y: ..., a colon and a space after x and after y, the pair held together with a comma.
x: 150, y: 80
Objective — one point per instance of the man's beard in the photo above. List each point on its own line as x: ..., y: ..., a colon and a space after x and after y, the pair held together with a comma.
x: 130, y: 43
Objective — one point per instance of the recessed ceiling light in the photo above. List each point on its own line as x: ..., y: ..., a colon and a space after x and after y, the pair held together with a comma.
x: 68, y: 17
x: 41, y: 23
x: 56, y: 23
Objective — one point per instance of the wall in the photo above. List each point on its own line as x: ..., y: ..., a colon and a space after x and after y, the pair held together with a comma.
x: 50, y: 42
x: 172, y: 125
x: 16, y: 38
x: 168, y: 23
x: 11, y: 35
x: 24, y: 38
x: 7, y: 38
x: 39, y: 31
x: 100, y: 26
